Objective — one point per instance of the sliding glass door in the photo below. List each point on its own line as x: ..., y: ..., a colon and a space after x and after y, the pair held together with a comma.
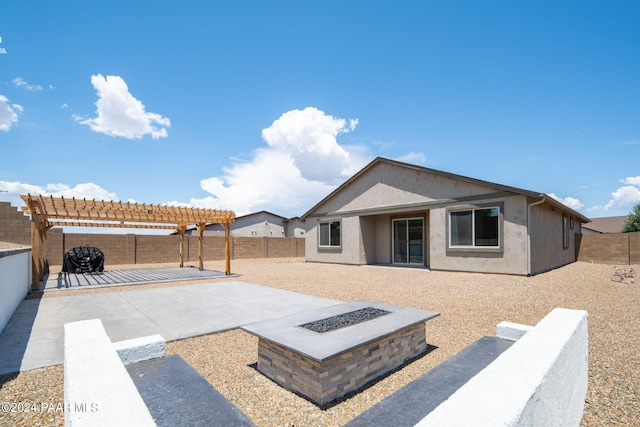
x: 408, y: 241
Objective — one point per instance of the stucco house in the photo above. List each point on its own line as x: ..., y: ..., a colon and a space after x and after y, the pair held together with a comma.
x: 401, y: 214
x: 258, y: 224
x: 605, y: 225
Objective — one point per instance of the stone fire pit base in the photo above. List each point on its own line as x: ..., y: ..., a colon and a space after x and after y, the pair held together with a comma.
x: 325, y: 366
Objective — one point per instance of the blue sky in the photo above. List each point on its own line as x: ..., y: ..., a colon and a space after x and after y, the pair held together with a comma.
x: 269, y: 105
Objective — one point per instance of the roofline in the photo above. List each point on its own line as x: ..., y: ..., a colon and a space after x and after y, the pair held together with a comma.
x: 528, y: 193
x: 261, y: 212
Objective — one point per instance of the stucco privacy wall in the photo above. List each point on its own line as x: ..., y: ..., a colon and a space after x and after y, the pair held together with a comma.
x: 15, y: 279
x: 541, y: 380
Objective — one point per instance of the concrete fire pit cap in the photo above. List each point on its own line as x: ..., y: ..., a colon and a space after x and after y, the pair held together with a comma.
x: 287, y: 332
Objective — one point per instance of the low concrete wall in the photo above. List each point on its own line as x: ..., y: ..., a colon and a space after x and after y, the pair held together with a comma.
x: 540, y: 381
x: 98, y: 390
x: 15, y: 279
x: 615, y: 249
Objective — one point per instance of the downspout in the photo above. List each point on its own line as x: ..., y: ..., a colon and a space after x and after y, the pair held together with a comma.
x: 544, y: 199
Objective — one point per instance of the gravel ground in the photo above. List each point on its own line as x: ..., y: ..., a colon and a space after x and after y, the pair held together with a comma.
x: 471, y: 305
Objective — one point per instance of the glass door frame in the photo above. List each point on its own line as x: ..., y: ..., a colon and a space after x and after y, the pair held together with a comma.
x: 408, y: 253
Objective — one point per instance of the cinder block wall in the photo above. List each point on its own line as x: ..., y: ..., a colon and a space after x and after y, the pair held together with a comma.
x: 150, y: 249
x: 249, y: 247
x: 213, y: 247
x: 634, y: 248
x: 15, y: 227
x: 621, y: 248
x: 153, y: 248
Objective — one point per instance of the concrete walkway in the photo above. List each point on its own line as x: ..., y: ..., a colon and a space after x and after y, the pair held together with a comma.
x: 33, y: 338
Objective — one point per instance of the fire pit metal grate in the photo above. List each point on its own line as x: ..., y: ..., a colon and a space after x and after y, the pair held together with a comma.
x: 343, y: 320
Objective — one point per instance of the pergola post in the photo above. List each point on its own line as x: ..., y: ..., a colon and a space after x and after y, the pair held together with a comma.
x: 227, y: 249
x: 201, y: 228
x: 39, y: 262
x: 36, y: 257
x: 181, y: 230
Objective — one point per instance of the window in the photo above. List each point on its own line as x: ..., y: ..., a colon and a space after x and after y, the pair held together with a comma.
x: 565, y: 232
x: 329, y: 234
x: 475, y: 228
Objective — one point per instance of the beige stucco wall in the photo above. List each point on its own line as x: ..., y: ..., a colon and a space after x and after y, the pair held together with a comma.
x: 513, y: 259
x: 546, y: 239
x: 351, y: 251
x: 387, y: 186
x: 383, y: 239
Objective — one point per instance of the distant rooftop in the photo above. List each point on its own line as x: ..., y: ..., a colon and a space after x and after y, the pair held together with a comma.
x: 606, y: 225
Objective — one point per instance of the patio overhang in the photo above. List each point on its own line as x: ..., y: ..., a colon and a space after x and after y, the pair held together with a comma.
x: 48, y: 211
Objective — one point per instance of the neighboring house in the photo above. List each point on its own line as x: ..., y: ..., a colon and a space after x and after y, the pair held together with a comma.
x: 259, y: 224
x: 605, y: 225
x: 401, y: 214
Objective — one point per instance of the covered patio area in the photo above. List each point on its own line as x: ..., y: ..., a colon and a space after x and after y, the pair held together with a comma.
x: 48, y: 212
x: 133, y: 276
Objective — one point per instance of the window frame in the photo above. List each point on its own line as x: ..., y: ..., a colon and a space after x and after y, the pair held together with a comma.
x: 499, y: 248
x: 565, y: 232
x: 330, y: 247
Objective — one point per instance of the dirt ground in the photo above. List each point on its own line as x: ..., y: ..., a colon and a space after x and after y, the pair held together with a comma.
x: 471, y: 305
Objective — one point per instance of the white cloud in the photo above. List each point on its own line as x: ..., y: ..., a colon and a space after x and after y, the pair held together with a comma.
x: 20, y: 82
x: 87, y: 190
x: 624, y: 197
x: 309, y: 137
x: 414, y: 158
x: 270, y: 181
x: 120, y: 114
x: 631, y: 180
x: 301, y: 164
x: 2, y: 50
x: 570, y: 202
x: 8, y: 113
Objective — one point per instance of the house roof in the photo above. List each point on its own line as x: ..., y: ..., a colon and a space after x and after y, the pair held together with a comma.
x: 500, y: 187
x: 284, y: 219
x: 609, y: 224
x: 261, y: 212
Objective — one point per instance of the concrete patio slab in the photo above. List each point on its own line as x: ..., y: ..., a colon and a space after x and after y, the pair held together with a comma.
x: 58, y: 281
x: 33, y: 338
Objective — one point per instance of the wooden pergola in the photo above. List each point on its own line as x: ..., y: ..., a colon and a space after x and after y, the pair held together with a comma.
x: 47, y: 212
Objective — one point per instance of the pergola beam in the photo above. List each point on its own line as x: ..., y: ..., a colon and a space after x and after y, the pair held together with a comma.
x: 110, y: 225
x: 98, y: 210
x: 98, y: 213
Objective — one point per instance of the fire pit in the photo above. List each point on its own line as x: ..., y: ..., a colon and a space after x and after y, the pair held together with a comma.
x: 326, y: 353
